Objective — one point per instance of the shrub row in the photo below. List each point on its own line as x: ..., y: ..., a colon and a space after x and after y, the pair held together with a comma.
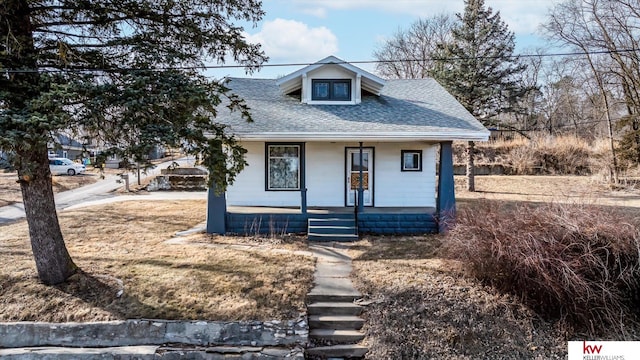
x: 557, y: 155
x: 578, y: 263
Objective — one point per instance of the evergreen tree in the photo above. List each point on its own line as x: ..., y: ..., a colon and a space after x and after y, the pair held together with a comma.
x: 124, y: 72
x: 477, y: 67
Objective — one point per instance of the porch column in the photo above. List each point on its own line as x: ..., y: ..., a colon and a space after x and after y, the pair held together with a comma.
x: 446, y: 202
x: 360, y: 184
x: 303, y: 180
x: 216, y: 212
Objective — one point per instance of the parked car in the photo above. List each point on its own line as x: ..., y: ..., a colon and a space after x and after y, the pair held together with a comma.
x: 65, y: 166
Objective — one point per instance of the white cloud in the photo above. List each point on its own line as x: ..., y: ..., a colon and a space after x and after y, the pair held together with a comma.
x: 284, y: 40
x: 318, y: 12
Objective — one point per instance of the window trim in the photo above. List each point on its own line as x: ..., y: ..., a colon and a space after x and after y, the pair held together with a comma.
x: 300, y: 165
x: 331, y: 97
x: 402, y: 163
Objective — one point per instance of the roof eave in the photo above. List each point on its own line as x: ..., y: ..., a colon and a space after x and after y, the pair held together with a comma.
x: 388, y: 136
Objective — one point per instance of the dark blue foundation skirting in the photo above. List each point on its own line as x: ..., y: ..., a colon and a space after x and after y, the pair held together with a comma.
x: 391, y: 224
x: 266, y: 224
x: 376, y: 224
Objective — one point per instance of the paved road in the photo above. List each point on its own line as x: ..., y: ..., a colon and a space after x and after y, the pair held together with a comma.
x: 98, y: 192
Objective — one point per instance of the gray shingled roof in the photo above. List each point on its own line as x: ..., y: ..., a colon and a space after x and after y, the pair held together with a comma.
x: 405, y: 108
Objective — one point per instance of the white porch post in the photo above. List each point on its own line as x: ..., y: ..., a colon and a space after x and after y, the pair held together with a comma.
x: 360, y: 198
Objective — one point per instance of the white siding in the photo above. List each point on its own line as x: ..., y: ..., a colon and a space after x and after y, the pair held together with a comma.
x: 326, y: 174
x: 326, y: 177
x: 404, y: 188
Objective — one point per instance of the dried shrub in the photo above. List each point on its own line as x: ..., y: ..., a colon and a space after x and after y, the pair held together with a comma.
x: 567, y: 155
x: 578, y: 263
x: 542, y: 154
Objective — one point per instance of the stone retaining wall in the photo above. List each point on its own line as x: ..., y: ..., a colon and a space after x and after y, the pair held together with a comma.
x: 178, y: 183
x: 179, y: 179
x: 154, y: 332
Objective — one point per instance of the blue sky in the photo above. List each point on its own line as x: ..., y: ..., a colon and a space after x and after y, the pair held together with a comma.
x: 302, y: 31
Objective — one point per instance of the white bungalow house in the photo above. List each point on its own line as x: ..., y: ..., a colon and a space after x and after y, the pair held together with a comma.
x: 335, y: 151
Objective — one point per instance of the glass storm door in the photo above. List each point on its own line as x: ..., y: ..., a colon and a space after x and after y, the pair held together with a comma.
x: 353, y: 175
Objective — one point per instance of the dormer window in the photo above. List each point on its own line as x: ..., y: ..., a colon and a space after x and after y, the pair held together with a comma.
x: 330, y: 81
x: 331, y: 90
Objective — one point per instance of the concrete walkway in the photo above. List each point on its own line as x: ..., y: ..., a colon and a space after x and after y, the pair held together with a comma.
x: 102, y: 190
x: 334, y: 320
x: 333, y: 268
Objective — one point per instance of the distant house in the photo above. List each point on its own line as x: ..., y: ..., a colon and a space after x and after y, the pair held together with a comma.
x: 67, y: 147
x: 156, y: 152
x: 335, y: 151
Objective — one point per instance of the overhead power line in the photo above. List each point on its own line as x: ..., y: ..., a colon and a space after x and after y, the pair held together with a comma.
x: 223, y: 66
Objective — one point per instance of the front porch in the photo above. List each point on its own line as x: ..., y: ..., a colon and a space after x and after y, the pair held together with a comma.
x: 244, y: 220
x: 253, y: 220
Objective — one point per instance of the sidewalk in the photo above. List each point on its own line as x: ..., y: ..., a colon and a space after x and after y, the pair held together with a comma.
x: 102, y: 191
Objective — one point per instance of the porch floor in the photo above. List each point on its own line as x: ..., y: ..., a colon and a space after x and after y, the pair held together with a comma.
x: 328, y: 210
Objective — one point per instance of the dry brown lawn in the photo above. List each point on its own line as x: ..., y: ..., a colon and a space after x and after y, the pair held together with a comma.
x: 10, y: 189
x: 538, y: 188
x: 129, y: 271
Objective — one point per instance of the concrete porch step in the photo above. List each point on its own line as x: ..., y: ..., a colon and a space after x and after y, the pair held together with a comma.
x: 311, y: 236
x: 336, y: 336
x: 318, y: 297
x: 335, y: 322
x: 334, y: 308
x: 330, y: 227
x: 338, y: 351
x: 351, y: 230
x: 332, y: 222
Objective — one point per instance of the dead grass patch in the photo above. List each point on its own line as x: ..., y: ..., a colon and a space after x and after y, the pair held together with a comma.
x: 289, y: 242
x: 426, y: 308
x: 10, y: 192
x: 130, y: 272
x: 540, y: 188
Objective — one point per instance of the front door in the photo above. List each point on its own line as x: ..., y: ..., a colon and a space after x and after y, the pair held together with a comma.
x: 353, y: 175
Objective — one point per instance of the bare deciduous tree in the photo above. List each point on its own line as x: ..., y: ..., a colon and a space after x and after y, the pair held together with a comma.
x: 409, y: 53
x: 608, y: 33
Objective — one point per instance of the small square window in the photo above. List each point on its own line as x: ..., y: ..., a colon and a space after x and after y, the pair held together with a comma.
x: 411, y: 160
x: 341, y: 90
x: 320, y: 90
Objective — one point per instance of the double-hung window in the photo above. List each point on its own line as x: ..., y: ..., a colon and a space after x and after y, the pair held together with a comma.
x: 283, y: 167
x: 331, y: 90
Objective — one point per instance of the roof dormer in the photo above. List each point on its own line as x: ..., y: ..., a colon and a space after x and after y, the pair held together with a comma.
x: 331, y: 81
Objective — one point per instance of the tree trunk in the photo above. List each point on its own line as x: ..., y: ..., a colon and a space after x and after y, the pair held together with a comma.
x: 471, y: 181
x: 53, y: 261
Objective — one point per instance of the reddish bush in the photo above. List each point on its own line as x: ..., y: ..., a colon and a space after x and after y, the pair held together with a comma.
x: 575, y: 262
